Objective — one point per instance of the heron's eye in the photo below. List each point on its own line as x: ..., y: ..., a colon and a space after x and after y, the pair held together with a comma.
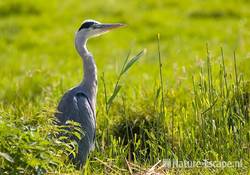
x: 86, y: 25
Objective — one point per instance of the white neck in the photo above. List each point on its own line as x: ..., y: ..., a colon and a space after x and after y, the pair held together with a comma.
x: 89, y: 82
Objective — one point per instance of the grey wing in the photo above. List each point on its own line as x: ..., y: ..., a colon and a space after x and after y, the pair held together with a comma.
x: 76, y: 107
x: 66, y: 109
x: 86, y: 117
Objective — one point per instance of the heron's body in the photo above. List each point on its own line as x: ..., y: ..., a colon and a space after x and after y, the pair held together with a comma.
x: 76, y: 106
x: 79, y: 103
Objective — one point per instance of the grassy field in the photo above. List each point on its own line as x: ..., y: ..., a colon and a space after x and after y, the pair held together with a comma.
x: 194, y: 107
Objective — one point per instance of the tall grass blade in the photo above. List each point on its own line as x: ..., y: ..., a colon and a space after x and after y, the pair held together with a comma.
x: 132, y: 61
x: 115, y: 92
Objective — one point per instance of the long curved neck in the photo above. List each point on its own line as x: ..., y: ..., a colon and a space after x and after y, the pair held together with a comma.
x: 89, y: 82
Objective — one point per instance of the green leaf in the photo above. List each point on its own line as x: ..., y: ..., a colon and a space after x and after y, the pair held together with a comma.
x: 133, y: 60
x: 116, y: 90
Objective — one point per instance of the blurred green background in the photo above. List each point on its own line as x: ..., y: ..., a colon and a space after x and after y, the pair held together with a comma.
x: 40, y: 35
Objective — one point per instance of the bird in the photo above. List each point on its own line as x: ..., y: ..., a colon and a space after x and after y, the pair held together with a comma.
x: 79, y: 103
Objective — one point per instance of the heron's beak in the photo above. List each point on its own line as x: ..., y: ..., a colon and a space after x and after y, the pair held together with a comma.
x: 108, y: 27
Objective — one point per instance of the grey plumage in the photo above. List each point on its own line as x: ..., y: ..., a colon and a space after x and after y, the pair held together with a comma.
x: 79, y: 103
x: 76, y: 106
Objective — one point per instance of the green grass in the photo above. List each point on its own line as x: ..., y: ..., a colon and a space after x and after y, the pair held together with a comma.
x: 186, y: 98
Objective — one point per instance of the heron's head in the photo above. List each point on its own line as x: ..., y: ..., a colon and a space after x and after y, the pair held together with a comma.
x: 91, y: 28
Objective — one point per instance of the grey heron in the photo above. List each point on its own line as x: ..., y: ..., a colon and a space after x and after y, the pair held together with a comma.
x: 79, y: 103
